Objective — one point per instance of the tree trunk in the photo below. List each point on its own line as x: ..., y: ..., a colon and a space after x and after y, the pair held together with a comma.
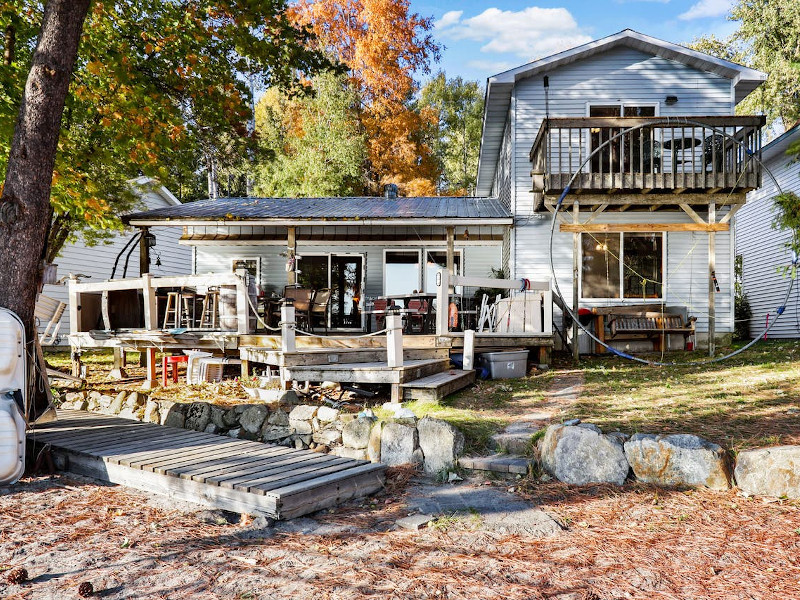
x: 25, y: 201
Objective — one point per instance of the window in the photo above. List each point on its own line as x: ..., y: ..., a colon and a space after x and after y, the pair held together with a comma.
x: 435, y: 260
x: 638, y: 275
x: 638, y: 146
x: 401, y: 271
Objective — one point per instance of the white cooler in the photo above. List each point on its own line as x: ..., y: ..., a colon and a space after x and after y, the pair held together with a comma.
x: 12, y: 397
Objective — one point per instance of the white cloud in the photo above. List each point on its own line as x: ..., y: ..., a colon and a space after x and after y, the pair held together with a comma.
x: 707, y: 8
x: 531, y: 33
x: 449, y: 18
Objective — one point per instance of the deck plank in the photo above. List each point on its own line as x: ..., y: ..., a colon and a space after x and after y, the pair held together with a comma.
x: 205, y: 468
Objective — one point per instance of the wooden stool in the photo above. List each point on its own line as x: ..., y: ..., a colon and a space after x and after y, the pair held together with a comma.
x: 171, y: 361
x: 187, y: 309
x: 209, y: 316
x: 173, y: 301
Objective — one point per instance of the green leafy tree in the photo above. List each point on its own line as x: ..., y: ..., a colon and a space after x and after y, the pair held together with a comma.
x: 457, y: 107
x: 160, y: 89
x: 311, y: 144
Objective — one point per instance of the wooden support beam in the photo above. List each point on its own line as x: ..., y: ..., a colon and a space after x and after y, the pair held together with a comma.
x: 734, y: 209
x: 624, y: 207
x: 712, y: 280
x: 654, y: 207
x: 144, y: 251
x: 596, y: 212
x: 291, y: 248
x: 576, y: 246
x: 451, y: 236
x: 641, y: 227
x: 690, y: 211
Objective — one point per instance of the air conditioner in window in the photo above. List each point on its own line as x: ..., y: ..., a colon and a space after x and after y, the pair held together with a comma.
x: 13, y: 400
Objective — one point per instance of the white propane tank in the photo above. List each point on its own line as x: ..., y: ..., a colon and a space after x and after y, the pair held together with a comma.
x: 13, y: 389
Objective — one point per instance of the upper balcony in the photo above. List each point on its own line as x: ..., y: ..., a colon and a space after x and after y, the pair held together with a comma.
x: 648, y: 155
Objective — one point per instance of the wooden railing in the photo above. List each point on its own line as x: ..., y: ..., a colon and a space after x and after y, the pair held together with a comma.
x: 648, y: 154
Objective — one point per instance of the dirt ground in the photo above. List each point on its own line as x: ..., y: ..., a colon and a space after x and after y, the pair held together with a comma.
x: 631, y: 542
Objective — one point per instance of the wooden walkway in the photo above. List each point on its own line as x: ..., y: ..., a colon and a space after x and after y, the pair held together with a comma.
x: 237, y: 475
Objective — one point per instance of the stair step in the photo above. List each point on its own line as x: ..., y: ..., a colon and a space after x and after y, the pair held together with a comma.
x: 513, y: 441
x: 498, y: 463
x: 437, y: 386
x: 368, y: 372
x: 326, y: 356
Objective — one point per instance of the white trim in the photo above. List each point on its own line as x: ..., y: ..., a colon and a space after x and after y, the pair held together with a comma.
x: 452, y: 221
x: 282, y: 243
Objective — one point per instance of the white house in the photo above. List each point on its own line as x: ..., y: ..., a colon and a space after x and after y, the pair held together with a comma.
x: 762, y: 248
x: 97, y: 262
x: 646, y: 208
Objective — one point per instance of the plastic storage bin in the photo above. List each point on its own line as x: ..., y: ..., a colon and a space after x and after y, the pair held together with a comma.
x: 505, y: 365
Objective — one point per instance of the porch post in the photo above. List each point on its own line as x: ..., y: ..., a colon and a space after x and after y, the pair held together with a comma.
x: 469, y: 350
x: 291, y: 251
x: 451, y: 236
x: 442, y: 301
x: 576, y: 246
x: 712, y: 259
x: 287, y: 326
x: 144, y: 251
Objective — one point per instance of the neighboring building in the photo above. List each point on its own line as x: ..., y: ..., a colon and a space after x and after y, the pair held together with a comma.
x: 636, y: 185
x: 98, y: 261
x: 762, y: 247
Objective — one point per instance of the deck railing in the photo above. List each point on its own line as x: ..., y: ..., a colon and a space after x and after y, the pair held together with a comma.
x: 648, y: 154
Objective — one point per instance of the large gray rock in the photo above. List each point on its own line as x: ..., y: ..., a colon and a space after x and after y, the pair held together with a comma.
x: 198, y: 416
x: 278, y: 417
x: 301, y: 427
x: 374, y: 447
x: 327, y: 414
x: 441, y: 444
x: 355, y: 434
x: 172, y: 413
x: 217, y: 417
x: 769, y: 471
x: 231, y: 418
x: 273, y: 433
x: 252, y: 419
x: 398, y: 443
x: 581, y: 454
x: 327, y: 437
x: 304, y: 412
x: 679, y: 459
x: 344, y: 452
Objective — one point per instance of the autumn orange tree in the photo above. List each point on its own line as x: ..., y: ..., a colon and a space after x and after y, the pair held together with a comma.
x: 159, y: 88
x: 383, y: 44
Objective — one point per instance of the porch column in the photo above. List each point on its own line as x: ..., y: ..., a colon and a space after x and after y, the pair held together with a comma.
x: 144, y: 251
x: 291, y: 251
x: 576, y: 246
x: 712, y: 260
x: 451, y: 237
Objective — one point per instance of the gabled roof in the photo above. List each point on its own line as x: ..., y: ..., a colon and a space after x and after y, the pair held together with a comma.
x: 499, y: 87
x: 780, y: 144
x: 442, y: 210
x: 143, y: 184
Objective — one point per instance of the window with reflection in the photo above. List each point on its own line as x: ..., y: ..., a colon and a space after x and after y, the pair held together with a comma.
x: 622, y: 265
x: 401, y: 272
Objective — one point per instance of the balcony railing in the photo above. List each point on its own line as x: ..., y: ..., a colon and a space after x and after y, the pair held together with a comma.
x: 648, y: 154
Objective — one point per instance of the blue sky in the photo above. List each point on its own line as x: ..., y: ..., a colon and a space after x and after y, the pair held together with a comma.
x: 485, y: 38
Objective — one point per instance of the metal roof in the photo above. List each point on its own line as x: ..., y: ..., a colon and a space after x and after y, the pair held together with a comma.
x: 328, y: 210
x: 500, y: 86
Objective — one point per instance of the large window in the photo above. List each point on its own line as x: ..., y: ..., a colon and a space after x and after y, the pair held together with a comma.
x: 622, y: 265
x: 401, y: 272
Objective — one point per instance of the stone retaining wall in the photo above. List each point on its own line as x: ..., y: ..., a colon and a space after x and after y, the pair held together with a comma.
x: 431, y: 443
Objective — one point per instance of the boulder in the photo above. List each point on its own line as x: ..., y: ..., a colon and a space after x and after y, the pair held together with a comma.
x: 441, y: 444
x: 273, y: 433
x: 231, y: 418
x: 252, y: 419
x: 301, y: 427
x: 374, y: 446
x: 327, y: 414
x: 234, y: 433
x: 398, y: 443
x: 278, y: 417
x: 152, y: 412
x: 198, y: 416
x: 355, y: 434
x: 129, y: 413
x: 135, y: 400
x: 217, y: 417
x: 116, y: 404
x: 679, y: 459
x: 769, y: 471
x: 211, y: 428
x: 581, y: 454
x: 327, y: 437
x: 172, y: 414
x: 304, y: 412
x: 344, y: 452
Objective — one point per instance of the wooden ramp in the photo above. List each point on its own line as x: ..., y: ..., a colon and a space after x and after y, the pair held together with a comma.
x: 237, y: 475
x: 436, y: 387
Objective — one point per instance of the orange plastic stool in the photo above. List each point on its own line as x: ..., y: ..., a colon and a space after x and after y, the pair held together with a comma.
x: 171, y: 361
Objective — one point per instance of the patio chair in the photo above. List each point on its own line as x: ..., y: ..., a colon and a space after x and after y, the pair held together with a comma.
x: 302, y: 299
x: 379, y: 306
x: 417, y: 311
x: 319, y: 308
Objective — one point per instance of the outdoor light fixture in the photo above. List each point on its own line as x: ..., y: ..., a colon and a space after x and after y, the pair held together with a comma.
x: 149, y: 240
x: 670, y: 100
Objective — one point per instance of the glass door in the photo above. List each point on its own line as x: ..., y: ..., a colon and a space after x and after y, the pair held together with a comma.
x: 347, y: 274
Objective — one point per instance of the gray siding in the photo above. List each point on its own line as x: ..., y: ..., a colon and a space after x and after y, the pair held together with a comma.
x: 621, y: 75
x: 98, y: 261
x: 502, y: 185
x: 763, y: 253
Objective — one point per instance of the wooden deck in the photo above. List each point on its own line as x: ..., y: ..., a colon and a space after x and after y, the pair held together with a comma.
x: 236, y: 475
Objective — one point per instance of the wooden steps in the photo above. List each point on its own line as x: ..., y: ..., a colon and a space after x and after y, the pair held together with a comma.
x: 237, y: 475
x: 368, y: 372
x: 437, y: 386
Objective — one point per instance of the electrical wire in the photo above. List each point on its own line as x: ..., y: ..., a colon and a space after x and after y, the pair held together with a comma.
x: 565, y: 192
